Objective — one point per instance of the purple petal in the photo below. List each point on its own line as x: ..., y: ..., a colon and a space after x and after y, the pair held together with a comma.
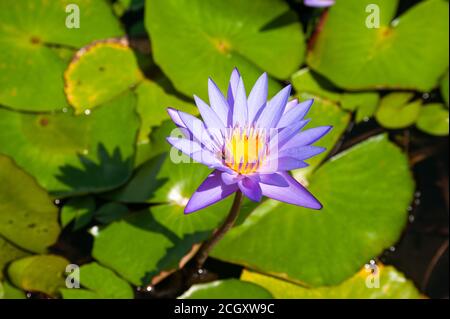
x: 197, y: 129
x: 275, y: 164
x: 285, y: 135
x: 210, y: 191
x: 274, y: 109
x: 232, y: 86
x: 173, y: 113
x: 275, y: 179
x: 175, y: 117
x: 302, y: 152
x: 195, y: 151
x: 290, y: 105
x: 230, y: 179
x: 257, y: 97
x: 307, y: 137
x: 210, y: 117
x: 294, y: 194
x: 251, y: 189
x: 319, y: 3
x: 296, y: 113
x: 218, y: 102
x: 240, y: 106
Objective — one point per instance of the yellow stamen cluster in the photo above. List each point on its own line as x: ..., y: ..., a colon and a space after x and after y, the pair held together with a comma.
x: 244, y: 150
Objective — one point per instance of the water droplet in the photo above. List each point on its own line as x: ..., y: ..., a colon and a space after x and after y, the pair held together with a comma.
x: 65, y: 110
x: 87, y: 112
x: 426, y: 96
x: 148, y: 288
x: 57, y: 202
x: 94, y: 231
x: 392, y: 248
x: 411, y: 218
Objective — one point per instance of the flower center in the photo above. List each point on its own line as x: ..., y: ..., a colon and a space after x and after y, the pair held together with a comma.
x: 244, y: 150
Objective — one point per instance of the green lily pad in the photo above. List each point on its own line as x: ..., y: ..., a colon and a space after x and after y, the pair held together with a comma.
x: 309, y: 84
x: 365, y: 192
x: 365, y: 104
x: 322, y: 113
x: 354, y: 55
x: 28, y: 217
x: 79, y: 209
x: 74, y: 154
x: 8, y: 253
x: 433, y: 119
x: 39, y: 273
x: 363, y: 285
x: 445, y: 88
x: 227, y: 289
x: 143, y: 244
x: 29, y: 30
x: 101, y: 283
x: 110, y: 212
x: 142, y: 185
x: 397, y: 111
x: 152, y: 106
x: 7, y: 291
x: 194, y: 39
x: 99, y: 72
x: 306, y: 81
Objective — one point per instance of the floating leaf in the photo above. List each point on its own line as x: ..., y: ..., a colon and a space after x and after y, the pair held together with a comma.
x: 322, y: 113
x: 365, y: 192
x: 397, y: 111
x: 80, y: 209
x: 74, y: 154
x: 354, y: 54
x: 445, y: 88
x: 99, y: 72
x: 31, y: 69
x: 305, y: 81
x: 143, y: 244
x: 39, y: 273
x: 194, y: 39
x: 227, y: 289
x: 388, y: 283
x: 28, y: 217
x: 433, y: 119
x: 110, y: 212
x: 7, y: 291
x: 8, y: 253
x: 101, y: 283
x: 153, y: 102
x: 365, y: 104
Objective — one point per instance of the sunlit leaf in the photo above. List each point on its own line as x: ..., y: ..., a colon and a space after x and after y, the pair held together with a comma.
x: 387, y: 283
x: 31, y: 70
x: 365, y: 192
x: 39, y: 273
x: 100, y: 283
x: 227, y: 289
x: 255, y: 36
x: 28, y: 217
x: 74, y: 154
x: 433, y: 119
x: 354, y: 53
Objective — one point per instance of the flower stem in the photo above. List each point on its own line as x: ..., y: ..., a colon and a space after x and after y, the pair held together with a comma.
x: 202, y: 254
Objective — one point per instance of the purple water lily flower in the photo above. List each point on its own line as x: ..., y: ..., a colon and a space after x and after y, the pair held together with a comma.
x: 250, y: 142
x: 319, y: 3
